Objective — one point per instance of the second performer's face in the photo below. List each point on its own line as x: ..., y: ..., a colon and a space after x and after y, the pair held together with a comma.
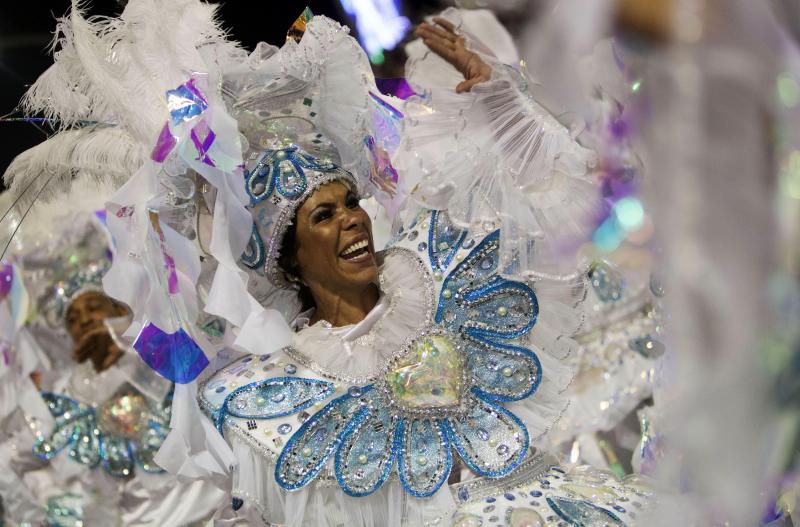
x: 334, y: 240
x: 85, y: 319
x: 87, y: 313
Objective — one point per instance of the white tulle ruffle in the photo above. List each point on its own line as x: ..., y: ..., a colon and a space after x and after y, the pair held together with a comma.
x: 496, y: 154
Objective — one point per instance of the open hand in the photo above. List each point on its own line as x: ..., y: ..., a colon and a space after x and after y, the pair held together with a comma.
x: 442, y: 39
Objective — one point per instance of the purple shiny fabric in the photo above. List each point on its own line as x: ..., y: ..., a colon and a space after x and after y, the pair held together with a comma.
x: 6, y: 280
x: 398, y: 87
x: 174, y: 356
x: 164, y: 145
x: 185, y: 102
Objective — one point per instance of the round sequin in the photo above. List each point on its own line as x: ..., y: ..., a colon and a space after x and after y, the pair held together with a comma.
x: 355, y: 391
x: 284, y: 428
x: 447, y: 294
x: 422, y: 246
x: 502, y: 311
x: 278, y: 397
x: 487, y: 263
x: 291, y: 369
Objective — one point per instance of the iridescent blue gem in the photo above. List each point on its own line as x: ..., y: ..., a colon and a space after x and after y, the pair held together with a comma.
x: 422, y: 246
x: 236, y: 503
x: 220, y: 389
x: 468, y: 243
x: 487, y: 263
x: 291, y: 369
x: 354, y: 391
x: 536, y: 494
x: 483, y: 435
x: 509, y: 496
x: 490, y: 500
x: 606, y: 281
x: 284, y: 428
x: 463, y: 494
x: 278, y: 397
x: 618, y: 508
x: 247, y: 359
x: 502, y: 450
x: 264, y: 357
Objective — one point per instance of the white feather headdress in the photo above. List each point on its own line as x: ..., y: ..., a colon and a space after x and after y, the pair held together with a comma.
x: 105, y: 91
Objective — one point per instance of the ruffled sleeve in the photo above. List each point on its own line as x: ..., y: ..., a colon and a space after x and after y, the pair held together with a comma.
x: 495, y: 154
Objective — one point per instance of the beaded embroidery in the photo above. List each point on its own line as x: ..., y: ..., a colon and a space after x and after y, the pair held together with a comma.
x: 124, y: 431
x: 439, y: 392
x: 581, y: 513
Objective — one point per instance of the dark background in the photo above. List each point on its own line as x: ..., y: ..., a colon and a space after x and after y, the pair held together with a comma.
x: 26, y: 29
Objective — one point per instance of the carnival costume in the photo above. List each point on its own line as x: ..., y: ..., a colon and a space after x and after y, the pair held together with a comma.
x: 462, y: 359
x: 89, y: 459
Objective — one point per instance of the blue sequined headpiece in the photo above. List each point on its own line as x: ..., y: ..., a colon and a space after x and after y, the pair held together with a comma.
x: 287, y: 159
x: 278, y: 181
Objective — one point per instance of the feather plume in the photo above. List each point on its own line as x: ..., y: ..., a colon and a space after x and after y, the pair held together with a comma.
x: 114, y: 71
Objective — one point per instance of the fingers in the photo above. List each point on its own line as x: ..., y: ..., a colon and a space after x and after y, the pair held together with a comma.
x: 440, y: 48
x: 466, y: 85
x: 433, y: 34
x: 449, y: 26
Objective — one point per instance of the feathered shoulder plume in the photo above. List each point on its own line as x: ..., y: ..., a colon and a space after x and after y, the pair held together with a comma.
x: 104, y: 93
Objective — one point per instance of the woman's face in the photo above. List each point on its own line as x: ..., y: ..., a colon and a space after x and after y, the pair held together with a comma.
x: 334, y: 246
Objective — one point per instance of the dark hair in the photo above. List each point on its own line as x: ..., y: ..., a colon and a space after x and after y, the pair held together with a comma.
x: 288, y: 264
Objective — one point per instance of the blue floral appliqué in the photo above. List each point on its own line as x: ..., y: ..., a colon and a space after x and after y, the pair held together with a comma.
x: 282, y: 171
x: 124, y: 431
x: 440, y: 393
x: 271, y: 398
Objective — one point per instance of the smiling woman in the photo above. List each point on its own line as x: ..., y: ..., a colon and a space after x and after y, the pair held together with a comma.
x: 330, y: 252
x: 416, y: 378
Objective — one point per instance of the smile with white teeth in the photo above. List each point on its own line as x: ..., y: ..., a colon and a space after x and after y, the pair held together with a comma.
x: 354, y: 249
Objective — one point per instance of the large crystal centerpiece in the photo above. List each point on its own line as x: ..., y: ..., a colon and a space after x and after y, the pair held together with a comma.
x: 428, y: 375
x: 123, y: 416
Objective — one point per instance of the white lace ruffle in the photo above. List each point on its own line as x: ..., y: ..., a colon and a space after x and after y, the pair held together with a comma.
x: 409, y: 306
x: 495, y: 153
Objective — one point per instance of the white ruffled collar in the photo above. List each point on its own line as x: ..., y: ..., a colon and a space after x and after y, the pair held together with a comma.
x: 356, y: 353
